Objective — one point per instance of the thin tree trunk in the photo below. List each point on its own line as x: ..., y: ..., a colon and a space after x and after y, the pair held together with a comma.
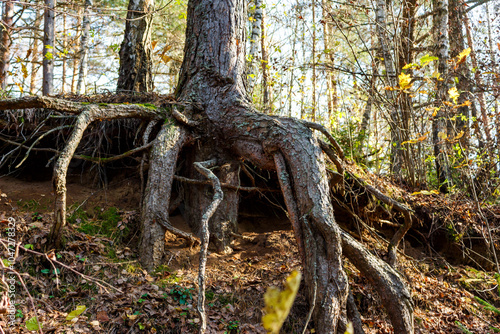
x: 254, y: 39
x: 494, y: 66
x: 457, y: 45
x: 267, y: 106
x: 479, y: 83
x: 313, y: 58
x: 5, y: 42
x: 292, y: 66
x: 135, y: 74
x: 76, y: 55
x: 406, y: 57
x: 84, y: 49
x: 395, y: 114
x: 439, y: 122
x: 35, y: 53
x: 48, y: 48
x: 64, y: 60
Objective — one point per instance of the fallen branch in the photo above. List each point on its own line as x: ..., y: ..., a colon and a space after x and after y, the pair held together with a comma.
x: 202, y: 167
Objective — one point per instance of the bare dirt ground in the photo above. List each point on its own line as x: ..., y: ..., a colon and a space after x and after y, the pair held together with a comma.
x: 120, y: 297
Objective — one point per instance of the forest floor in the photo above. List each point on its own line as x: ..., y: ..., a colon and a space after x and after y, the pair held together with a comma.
x: 120, y: 297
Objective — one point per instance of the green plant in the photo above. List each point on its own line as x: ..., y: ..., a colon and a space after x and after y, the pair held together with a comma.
x: 36, y: 216
x: 233, y: 326
x: 462, y: 328
x: 19, y: 313
x: 181, y: 294
x: 486, y: 305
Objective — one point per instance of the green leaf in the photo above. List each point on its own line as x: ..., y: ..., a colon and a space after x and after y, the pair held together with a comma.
x: 33, y: 324
x: 45, y: 271
x: 28, y: 246
x: 73, y: 314
x: 427, y: 59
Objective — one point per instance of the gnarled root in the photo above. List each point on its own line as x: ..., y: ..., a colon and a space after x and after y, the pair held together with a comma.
x: 389, y: 284
x: 156, y: 201
x: 59, y: 178
x: 202, y: 167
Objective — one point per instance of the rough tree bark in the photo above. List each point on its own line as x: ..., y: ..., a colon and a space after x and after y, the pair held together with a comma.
x: 254, y: 39
x: 395, y: 114
x: 5, y: 41
x: 84, y: 49
x: 439, y: 122
x: 48, y: 47
x: 135, y: 74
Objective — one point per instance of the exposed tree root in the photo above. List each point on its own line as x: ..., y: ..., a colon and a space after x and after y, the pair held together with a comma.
x: 406, y: 211
x: 388, y: 282
x: 291, y: 205
x: 163, y: 160
x: 202, y: 167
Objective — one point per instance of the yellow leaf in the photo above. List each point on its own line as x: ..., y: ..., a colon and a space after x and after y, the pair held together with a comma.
x: 349, y: 329
x: 462, y: 55
x: 24, y: 70
x: 442, y: 135
x: 453, y: 94
x: 459, y: 135
x: 153, y: 44
x: 20, y: 87
x: 426, y: 192
x: 166, y: 58
x: 73, y: 314
x: 404, y: 81
x: 251, y: 19
x: 278, y: 303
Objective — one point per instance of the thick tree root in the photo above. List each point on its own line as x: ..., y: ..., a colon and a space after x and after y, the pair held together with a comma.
x: 291, y: 205
x: 158, y: 192
x: 388, y: 282
x: 202, y: 167
x: 59, y: 179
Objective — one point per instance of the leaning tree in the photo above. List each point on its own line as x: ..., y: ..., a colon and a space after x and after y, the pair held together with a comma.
x: 212, y: 123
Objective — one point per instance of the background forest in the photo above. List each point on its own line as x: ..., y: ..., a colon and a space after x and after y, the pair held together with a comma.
x: 409, y: 90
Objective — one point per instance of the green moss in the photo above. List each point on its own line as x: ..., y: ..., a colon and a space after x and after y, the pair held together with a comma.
x: 103, y: 104
x: 147, y: 105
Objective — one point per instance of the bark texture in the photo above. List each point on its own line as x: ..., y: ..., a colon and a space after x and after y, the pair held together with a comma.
x: 439, y: 130
x: 135, y: 74
x: 84, y: 49
x: 5, y: 41
x: 48, y: 47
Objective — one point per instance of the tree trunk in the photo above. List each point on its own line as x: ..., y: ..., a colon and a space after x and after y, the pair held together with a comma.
x: 48, y: 48
x: 84, y: 49
x: 5, y: 42
x: 267, y: 103
x: 313, y: 60
x: 439, y: 122
x: 457, y: 45
x: 212, y: 76
x: 35, y: 53
x: 395, y: 113
x: 254, y: 39
x: 135, y: 74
